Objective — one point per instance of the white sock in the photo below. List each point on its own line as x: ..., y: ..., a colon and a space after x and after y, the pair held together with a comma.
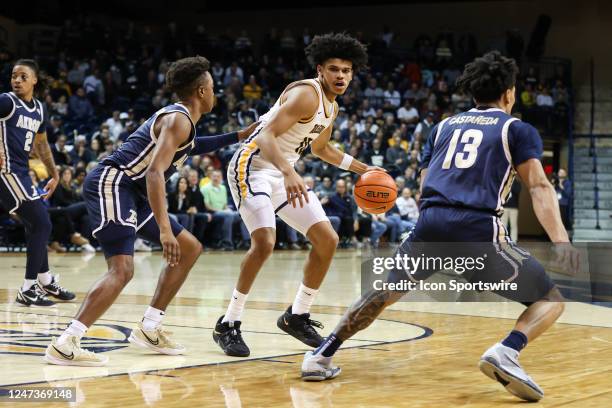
x: 235, y: 308
x: 27, y: 284
x: 303, y: 300
x: 75, y: 328
x: 152, y: 318
x: 45, y: 278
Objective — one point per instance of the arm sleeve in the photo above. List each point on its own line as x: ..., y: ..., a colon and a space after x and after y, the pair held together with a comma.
x: 207, y: 144
x: 524, y: 142
x: 6, y: 105
x: 428, y: 148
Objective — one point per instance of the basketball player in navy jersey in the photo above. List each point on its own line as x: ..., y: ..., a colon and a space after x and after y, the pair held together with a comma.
x: 22, y: 129
x: 126, y: 198
x: 470, y: 160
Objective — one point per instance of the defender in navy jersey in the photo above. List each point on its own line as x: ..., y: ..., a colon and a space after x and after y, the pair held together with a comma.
x: 470, y: 161
x: 22, y: 131
x: 126, y: 198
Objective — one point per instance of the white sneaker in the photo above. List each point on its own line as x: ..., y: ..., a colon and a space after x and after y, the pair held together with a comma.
x: 88, y: 248
x: 72, y: 354
x: 500, y: 363
x: 140, y: 246
x: 315, y: 367
x: 157, y: 340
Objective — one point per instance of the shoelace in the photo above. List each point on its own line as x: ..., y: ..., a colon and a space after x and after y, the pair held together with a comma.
x: 164, y: 335
x: 235, y: 336
x: 308, y: 324
x: 56, y: 285
x: 40, y: 293
x: 82, y: 351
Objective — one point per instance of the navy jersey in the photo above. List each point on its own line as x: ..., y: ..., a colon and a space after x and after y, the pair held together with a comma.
x: 19, y: 123
x: 471, y: 159
x: 136, y: 153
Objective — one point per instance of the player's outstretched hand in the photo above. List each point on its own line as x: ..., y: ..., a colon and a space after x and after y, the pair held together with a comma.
x: 247, y: 131
x: 296, y: 189
x: 50, y: 187
x: 172, y: 250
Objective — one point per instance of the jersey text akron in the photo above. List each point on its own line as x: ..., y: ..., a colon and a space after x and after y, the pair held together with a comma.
x: 26, y: 122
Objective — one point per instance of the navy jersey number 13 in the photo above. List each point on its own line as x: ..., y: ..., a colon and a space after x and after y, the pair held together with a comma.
x: 471, y: 159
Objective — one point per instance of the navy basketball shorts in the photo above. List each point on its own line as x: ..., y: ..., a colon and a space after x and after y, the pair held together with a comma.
x: 458, y: 232
x: 119, y: 211
x: 15, y: 189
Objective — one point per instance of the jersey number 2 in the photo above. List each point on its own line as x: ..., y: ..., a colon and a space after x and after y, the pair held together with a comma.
x: 28, y: 142
x: 467, y: 157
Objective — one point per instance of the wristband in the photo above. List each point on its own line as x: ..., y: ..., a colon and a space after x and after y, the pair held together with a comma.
x: 346, y: 162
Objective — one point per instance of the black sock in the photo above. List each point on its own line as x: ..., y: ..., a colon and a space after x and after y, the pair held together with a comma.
x: 329, y: 346
x: 515, y: 340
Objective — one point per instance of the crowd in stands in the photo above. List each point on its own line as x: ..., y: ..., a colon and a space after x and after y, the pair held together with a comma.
x: 103, y: 84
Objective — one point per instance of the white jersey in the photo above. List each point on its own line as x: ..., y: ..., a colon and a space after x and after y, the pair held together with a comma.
x: 293, y: 142
x: 257, y: 186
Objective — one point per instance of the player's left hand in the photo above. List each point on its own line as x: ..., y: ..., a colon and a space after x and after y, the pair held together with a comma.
x: 171, y: 248
x: 246, y: 132
x: 50, y: 187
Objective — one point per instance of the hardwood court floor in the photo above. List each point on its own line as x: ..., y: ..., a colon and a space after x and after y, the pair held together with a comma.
x: 417, y: 355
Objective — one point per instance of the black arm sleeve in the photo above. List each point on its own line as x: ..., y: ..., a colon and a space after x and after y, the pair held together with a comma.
x: 207, y: 144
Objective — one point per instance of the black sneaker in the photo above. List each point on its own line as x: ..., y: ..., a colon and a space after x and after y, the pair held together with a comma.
x: 300, y: 327
x: 55, y: 290
x: 33, y: 297
x: 227, y: 336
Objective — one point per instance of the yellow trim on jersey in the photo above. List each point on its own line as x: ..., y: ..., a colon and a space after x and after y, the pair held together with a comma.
x: 243, y: 159
x: 507, y: 186
x: 501, y: 231
x: 506, y: 247
x: 107, y: 193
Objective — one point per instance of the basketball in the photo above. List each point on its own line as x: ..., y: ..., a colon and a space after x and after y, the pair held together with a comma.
x: 375, y: 192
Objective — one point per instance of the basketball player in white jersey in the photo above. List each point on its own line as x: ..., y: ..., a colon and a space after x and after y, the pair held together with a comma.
x: 264, y: 184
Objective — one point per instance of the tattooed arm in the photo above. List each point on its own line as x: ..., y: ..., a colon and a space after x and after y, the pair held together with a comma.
x: 363, y: 312
x: 43, y: 151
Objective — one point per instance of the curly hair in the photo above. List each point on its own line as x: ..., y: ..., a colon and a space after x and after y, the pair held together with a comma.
x: 183, y: 75
x: 488, y: 77
x: 337, y: 45
x: 41, y: 84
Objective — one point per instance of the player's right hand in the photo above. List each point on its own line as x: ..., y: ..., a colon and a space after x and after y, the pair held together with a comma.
x: 172, y: 250
x: 296, y: 189
x: 567, y: 260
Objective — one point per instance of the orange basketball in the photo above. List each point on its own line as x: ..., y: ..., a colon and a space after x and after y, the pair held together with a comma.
x: 375, y: 192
